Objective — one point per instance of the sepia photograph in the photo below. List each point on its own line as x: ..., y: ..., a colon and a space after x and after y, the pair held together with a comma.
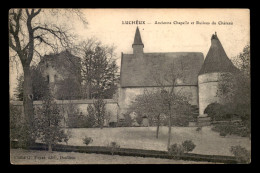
x: 129, y: 86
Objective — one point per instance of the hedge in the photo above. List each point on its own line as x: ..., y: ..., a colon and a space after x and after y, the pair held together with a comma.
x: 135, y: 152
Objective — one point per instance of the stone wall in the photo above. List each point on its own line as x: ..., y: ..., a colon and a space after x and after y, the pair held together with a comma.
x: 111, y: 107
x: 127, y: 95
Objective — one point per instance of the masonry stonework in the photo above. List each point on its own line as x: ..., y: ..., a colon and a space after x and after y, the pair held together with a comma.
x: 200, y: 76
x: 81, y: 105
x: 208, y: 87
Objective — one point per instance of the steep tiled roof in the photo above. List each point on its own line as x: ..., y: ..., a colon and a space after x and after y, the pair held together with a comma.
x: 137, y: 71
x: 216, y: 59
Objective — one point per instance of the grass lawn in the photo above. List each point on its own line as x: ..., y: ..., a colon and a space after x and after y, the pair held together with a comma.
x: 21, y: 157
x: 206, y: 141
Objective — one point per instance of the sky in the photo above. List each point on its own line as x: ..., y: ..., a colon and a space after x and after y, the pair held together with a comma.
x: 231, y: 25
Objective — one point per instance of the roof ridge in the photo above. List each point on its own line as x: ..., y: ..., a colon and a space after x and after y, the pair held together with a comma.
x: 162, y: 53
x: 170, y: 52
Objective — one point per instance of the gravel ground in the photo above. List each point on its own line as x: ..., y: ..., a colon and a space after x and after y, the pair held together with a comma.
x: 32, y: 157
x: 206, y: 141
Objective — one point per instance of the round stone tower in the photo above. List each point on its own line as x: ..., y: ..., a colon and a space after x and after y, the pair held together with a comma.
x: 215, y: 64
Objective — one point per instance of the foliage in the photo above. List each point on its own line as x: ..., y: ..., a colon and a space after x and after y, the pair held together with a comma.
x: 217, y: 112
x: 87, y: 140
x: 223, y: 133
x: 19, y: 129
x: 113, y: 147
x: 68, y: 89
x: 75, y: 117
x: 91, y: 119
x: 198, y: 129
x: 235, y: 128
x: 127, y: 120
x: 242, y: 154
x: 148, y: 104
x: 48, y: 123
x: 232, y: 123
x: 99, y: 70
x: 234, y: 89
x: 179, y: 121
x: 112, y: 124
x: 15, y: 118
x: 95, y: 117
x: 28, y: 35
x: 76, y: 120
x: 176, y: 150
x: 39, y: 85
x: 18, y: 92
x: 100, y: 111
x: 188, y: 145
x: 155, y: 106
x: 180, y: 149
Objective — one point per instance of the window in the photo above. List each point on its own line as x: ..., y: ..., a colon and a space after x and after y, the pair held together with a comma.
x: 55, y: 78
x: 48, y: 79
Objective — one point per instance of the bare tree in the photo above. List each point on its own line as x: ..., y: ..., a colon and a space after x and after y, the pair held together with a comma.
x: 164, y: 99
x: 27, y: 37
x: 174, y: 103
x: 149, y: 104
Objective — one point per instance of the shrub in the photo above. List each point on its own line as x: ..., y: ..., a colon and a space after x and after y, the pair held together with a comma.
x: 112, y: 124
x: 181, y: 121
x: 113, y: 147
x: 176, y: 150
x: 91, y: 119
x: 127, y: 121
x: 198, y: 129
x: 15, y: 123
x: 100, y: 111
x: 241, y: 154
x: 87, y: 140
x: 223, y: 134
x: 216, y: 112
x: 49, y: 123
x: 75, y: 118
x: 188, y: 145
x: 235, y: 128
x: 21, y: 133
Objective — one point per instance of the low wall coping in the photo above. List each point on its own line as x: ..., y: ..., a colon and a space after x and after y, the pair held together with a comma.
x: 89, y: 101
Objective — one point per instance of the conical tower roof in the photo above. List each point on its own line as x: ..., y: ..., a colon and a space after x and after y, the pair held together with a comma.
x: 216, y: 59
x: 137, y: 40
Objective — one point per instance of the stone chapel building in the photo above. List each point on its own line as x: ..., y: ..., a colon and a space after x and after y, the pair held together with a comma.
x: 199, y: 80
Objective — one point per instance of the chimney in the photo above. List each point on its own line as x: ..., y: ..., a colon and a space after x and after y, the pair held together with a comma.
x: 214, y: 39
